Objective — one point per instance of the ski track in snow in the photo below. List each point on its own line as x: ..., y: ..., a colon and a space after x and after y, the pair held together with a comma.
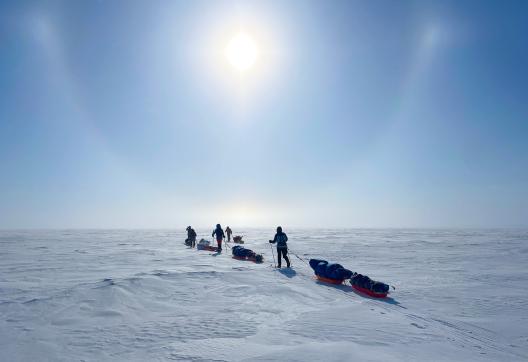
x: 96, y: 295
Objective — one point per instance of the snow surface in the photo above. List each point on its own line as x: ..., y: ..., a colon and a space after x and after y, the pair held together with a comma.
x: 132, y: 295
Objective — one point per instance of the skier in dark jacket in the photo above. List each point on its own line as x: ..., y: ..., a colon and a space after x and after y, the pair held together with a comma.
x: 282, y: 249
x: 191, y: 237
x: 228, y: 232
x: 219, y: 236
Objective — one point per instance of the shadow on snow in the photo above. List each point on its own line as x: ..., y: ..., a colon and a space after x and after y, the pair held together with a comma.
x: 290, y: 273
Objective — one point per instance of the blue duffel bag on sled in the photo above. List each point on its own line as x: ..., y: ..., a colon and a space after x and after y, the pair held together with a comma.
x: 332, y: 273
x: 242, y: 253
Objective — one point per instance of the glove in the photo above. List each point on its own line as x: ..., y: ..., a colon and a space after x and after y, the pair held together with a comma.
x: 271, y: 241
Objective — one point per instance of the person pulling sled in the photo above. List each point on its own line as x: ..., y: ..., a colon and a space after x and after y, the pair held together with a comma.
x: 282, y: 248
x: 191, y: 237
x: 219, y: 234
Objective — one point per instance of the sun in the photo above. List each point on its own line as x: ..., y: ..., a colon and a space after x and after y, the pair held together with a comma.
x: 241, y: 52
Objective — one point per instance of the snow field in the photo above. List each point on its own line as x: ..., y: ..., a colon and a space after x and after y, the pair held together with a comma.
x: 142, y: 295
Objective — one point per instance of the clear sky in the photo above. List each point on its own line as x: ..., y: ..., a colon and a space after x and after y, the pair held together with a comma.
x: 354, y: 114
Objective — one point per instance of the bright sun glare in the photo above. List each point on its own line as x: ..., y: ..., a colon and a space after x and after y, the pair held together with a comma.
x: 241, y: 52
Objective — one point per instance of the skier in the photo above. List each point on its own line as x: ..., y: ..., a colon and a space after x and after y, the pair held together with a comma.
x: 219, y: 236
x: 228, y: 232
x: 191, y: 237
x: 282, y: 249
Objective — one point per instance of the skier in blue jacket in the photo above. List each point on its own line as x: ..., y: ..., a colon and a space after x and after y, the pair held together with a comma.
x: 219, y: 233
x: 282, y: 249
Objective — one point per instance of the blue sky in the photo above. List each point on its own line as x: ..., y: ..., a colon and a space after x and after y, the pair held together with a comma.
x: 356, y: 114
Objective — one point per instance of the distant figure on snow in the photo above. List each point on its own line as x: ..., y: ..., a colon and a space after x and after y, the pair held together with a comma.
x: 282, y: 249
x: 229, y: 232
x: 191, y: 237
x: 219, y: 233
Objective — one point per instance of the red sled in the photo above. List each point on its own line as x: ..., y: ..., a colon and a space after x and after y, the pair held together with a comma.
x: 208, y: 248
x: 370, y: 293
x: 328, y: 280
x: 253, y: 259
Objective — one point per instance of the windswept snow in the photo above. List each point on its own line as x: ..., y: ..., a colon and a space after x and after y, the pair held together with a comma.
x: 142, y: 295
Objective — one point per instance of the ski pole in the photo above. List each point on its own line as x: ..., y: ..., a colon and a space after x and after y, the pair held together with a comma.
x: 273, y: 253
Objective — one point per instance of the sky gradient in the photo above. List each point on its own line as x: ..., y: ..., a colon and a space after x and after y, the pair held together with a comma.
x: 118, y: 114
